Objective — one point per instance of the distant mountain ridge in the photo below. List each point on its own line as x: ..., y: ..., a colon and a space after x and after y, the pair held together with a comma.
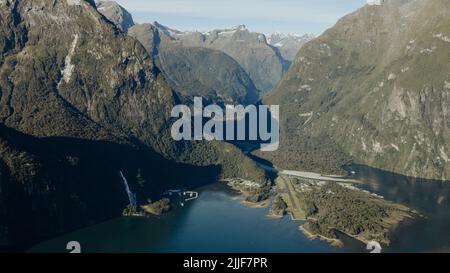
x: 187, y: 69
x: 289, y: 44
x: 263, y: 62
x: 196, y: 71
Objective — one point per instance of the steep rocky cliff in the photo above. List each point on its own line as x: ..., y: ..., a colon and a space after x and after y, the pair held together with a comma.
x: 374, y: 89
x: 117, y: 14
x: 79, y: 102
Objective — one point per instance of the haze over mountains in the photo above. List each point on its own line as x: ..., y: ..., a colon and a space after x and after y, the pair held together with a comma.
x: 374, y: 89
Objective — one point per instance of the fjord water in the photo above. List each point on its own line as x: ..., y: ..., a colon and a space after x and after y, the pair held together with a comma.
x: 431, y: 198
x: 218, y: 222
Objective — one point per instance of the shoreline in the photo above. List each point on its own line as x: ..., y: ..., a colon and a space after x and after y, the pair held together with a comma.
x: 399, y: 214
x: 311, y: 236
x: 407, y: 219
x: 257, y: 205
x: 274, y: 216
x: 404, y: 214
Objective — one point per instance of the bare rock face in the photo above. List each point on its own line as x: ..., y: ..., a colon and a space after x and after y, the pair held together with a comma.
x: 79, y: 102
x: 149, y: 36
x: 116, y: 14
x: 197, y: 71
x: 372, y: 89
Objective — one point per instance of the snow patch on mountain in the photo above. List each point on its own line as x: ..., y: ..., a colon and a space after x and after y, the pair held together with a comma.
x: 442, y: 37
x: 74, y: 2
x: 288, y: 44
x: 278, y: 39
x: 375, y: 2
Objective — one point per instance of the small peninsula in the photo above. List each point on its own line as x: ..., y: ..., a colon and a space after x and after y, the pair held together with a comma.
x: 331, y: 207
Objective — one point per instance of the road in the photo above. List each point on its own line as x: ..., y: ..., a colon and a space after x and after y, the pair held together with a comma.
x: 309, y: 175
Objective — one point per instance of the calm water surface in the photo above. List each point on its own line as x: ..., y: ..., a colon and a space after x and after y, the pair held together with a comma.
x: 218, y: 222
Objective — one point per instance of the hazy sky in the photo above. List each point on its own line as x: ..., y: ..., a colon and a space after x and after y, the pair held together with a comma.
x: 297, y: 16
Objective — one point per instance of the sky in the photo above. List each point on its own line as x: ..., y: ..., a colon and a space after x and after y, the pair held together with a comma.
x: 266, y: 16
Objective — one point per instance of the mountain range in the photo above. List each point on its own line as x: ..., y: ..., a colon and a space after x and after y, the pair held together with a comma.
x: 222, y: 65
x: 262, y: 62
x: 196, y: 71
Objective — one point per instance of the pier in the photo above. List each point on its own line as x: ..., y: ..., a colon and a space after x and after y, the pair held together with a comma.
x: 189, y: 195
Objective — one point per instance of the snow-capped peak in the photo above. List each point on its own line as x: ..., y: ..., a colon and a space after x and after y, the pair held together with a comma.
x: 279, y: 39
x: 375, y: 2
x: 173, y: 33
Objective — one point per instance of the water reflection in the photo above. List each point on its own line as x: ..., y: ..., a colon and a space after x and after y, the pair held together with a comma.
x: 431, y: 198
x: 215, y: 222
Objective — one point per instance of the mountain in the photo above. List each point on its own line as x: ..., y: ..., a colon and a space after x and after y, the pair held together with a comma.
x: 150, y: 37
x: 262, y: 62
x: 196, y: 71
x: 80, y: 102
x: 190, y: 71
x: 208, y: 73
x: 288, y: 44
x: 373, y: 89
x: 116, y: 13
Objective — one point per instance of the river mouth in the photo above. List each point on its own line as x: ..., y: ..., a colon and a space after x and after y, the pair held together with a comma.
x: 219, y: 222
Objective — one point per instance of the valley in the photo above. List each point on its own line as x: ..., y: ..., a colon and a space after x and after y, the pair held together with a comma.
x: 89, y: 100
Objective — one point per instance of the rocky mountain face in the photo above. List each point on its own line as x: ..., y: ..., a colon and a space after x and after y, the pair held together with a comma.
x: 374, y: 89
x: 262, y: 62
x: 150, y: 37
x: 289, y: 44
x: 81, y: 101
x: 197, y: 71
x: 116, y: 14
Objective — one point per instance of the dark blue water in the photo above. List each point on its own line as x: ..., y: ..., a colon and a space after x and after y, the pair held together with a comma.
x: 429, y: 197
x: 216, y: 222
x: 219, y: 222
